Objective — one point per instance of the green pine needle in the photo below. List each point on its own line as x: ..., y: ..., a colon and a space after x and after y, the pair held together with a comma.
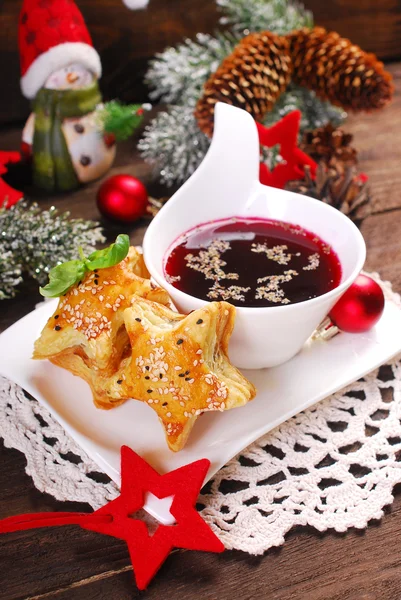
x: 120, y: 119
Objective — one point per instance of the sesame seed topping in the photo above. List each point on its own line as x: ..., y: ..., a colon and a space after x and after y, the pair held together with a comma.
x: 57, y: 328
x: 56, y: 316
x: 149, y: 391
x: 180, y: 341
x: 165, y: 404
x: 199, y: 321
x: 119, y: 381
x: 138, y: 319
x: 168, y: 414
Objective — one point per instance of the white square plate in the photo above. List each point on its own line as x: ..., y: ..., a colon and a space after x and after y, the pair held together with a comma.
x: 319, y: 370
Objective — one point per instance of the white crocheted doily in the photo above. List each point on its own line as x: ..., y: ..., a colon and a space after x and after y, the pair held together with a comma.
x: 332, y: 466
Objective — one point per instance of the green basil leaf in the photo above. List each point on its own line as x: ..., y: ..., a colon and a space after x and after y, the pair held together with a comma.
x: 114, y: 254
x: 63, y: 277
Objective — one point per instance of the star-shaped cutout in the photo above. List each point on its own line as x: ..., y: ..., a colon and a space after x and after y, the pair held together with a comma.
x: 179, y: 365
x: 285, y: 133
x: 147, y: 552
x: 190, y: 531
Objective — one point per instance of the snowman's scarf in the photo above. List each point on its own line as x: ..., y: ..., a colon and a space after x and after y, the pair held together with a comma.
x: 52, y: 165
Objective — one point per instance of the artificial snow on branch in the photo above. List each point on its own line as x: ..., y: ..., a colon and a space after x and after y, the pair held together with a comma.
x: 33, y: 241
x: 279, y: 16
x: 173, y: 141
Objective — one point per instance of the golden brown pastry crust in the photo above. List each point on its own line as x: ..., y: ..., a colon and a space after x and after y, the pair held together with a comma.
x: 116, y: 331
x: 179, y: 365
x: 86, y: 334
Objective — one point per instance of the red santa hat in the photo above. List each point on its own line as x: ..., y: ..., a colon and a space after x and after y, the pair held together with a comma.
x: 52, y: 35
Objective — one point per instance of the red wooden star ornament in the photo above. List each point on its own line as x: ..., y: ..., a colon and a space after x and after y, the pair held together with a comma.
x: 147, y: 552
x: 285, y: 133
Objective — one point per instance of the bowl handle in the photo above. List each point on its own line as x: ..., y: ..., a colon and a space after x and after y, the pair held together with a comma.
x: 231, y: 165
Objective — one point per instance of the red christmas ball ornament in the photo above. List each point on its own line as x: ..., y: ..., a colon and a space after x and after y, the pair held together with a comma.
x: 122, y: 198
x: 360, y: 308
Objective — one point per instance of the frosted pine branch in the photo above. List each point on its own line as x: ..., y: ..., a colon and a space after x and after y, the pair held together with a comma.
x: 10, y: 273
x: 315, y: 112
x: 278, y: 16
x: 33, y: 241
x: 177, y: 75
x: 174, y: 144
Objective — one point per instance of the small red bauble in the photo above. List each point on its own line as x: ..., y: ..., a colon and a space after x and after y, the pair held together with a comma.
x: 122, y: 198
x: 360, y: 308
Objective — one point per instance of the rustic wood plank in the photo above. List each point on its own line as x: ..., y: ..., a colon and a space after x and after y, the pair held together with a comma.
x: 375, y: 26
x: 362, y: 565
x: 382, y: 234
x: 379, y: 150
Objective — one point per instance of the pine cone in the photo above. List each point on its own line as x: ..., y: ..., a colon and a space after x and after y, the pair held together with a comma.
x: 338, y: 71
x: 338, y: 185
x: 252, y: 77
x: 325, y: 143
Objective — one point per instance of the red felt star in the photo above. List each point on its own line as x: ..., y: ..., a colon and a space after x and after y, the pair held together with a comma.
x: 285, y: 133
x: 190, y: 531
x: 147, y: 552
x: 8, y: 195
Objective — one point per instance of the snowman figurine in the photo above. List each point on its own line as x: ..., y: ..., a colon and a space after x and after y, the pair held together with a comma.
x: 63, y: 136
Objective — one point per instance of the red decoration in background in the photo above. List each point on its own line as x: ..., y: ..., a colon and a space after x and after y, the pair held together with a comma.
x: 360, y: 308
x: 8, y: 194
x: 122, y: 198
x: 285, y: 133
x: 147, y: 552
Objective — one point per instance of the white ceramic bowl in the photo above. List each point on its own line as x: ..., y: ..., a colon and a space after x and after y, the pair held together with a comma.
x: 225, y: 185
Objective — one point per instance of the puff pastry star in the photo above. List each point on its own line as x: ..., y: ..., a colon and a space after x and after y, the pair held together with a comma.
x: 86, y: 333
x: 179, y: 365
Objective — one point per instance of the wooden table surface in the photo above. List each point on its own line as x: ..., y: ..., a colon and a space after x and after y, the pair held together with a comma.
x: 71, y: 564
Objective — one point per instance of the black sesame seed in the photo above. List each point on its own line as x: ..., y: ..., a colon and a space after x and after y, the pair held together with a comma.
x: 161, y: 375
x: 199, y: 321
x: 119, y: 381
x: 187, y: 378
x: 147, y: 368
x: 180, y: 341
x: 96, y: 282
x: 147, y: 377
x: 181, y: 375
x: 164, y: 403
x: 85, y: 160
x: 187, y: 372
x: 138, y: 319
x: 56, y: 316
x: 96, y: 270
x: 79, y: 128
x: 57, y: 328
x: 149, y: 391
